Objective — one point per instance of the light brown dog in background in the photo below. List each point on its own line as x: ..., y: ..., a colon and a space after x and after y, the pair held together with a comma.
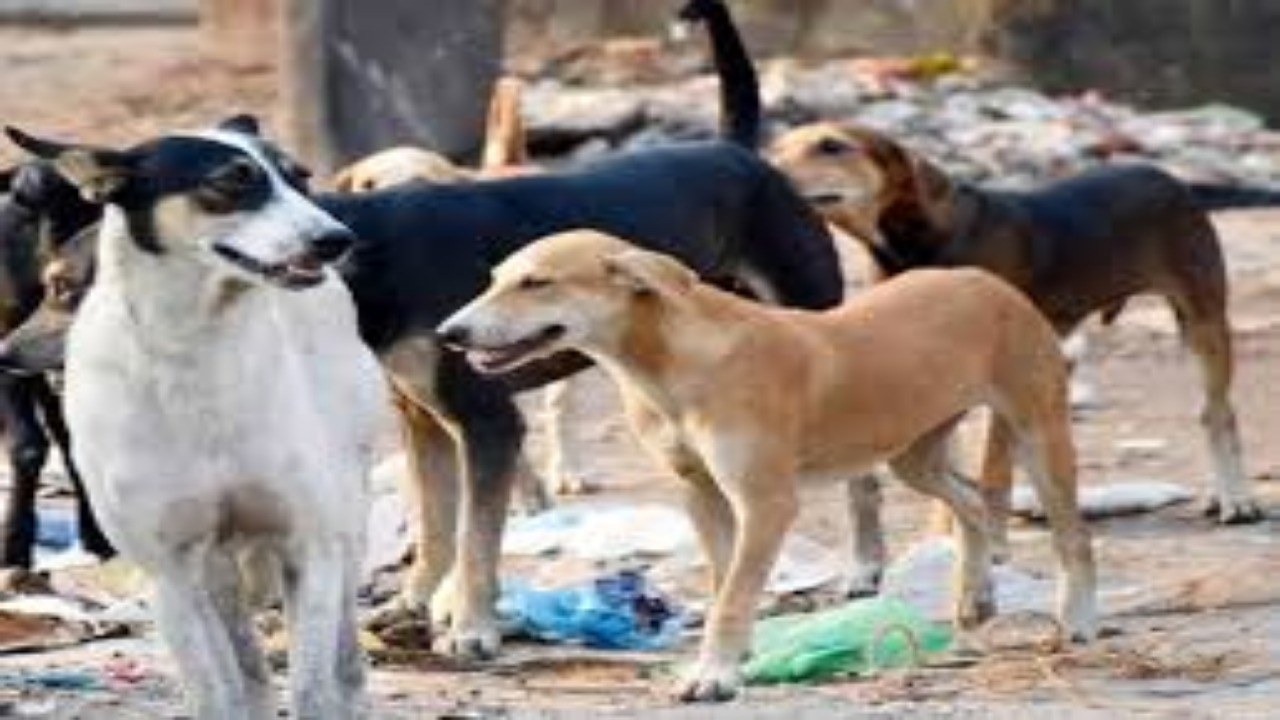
x: 747, y: 402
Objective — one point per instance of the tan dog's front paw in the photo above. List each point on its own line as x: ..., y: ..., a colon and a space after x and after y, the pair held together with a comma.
x: 710, y: 682
x: 478, y: 642
x: 1234, y: 510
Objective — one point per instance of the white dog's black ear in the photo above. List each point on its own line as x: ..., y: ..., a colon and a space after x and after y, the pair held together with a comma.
x: 650, y: 273
x: 245, y: 124
x: 99, y: 173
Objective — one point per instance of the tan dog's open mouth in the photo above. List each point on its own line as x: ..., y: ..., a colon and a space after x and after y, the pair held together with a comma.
x: 492, y: 360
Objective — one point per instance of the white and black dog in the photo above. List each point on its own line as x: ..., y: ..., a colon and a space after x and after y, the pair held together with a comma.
x: 224, y: 408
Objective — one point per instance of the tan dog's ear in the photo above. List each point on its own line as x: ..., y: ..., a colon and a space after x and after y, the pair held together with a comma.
x: 650, y: 273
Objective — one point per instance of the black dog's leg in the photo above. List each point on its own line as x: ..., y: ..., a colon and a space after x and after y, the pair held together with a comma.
x: 28, y: 449
x: 92, y: 538
x: 491, y: 431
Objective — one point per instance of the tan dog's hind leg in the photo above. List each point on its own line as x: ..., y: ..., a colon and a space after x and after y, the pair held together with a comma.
x: 1209, y: 339
x: 996, y: 483
x: 1049, y: 458
x: 924, y: 466
x: 1032, y: 403
x: 866, y: 536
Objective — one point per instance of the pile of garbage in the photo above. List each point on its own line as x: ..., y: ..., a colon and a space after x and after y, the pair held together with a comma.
x: 977, y: 126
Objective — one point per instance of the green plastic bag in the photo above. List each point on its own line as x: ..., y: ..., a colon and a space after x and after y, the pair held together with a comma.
x: 857, y: 638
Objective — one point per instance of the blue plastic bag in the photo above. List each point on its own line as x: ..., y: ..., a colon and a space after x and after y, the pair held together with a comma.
x: 616, y: 612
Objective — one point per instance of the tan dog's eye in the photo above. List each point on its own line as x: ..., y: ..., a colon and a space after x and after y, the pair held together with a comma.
x: 833, y: 146
x: 532, y: 282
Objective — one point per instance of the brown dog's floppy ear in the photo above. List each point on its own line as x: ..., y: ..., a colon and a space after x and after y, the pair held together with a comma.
x: 917, y: 194
x: 650, y: 273
x: 99, y: 173
x: 244, y: 123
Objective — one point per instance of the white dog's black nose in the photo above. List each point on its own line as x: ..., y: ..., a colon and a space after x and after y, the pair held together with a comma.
x: 332, y: 245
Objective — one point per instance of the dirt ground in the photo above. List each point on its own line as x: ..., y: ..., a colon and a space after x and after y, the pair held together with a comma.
x: 1200, y: 638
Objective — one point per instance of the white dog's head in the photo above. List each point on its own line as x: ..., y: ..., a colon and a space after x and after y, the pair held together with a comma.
x: 225, y: 196
x: 579, y: 290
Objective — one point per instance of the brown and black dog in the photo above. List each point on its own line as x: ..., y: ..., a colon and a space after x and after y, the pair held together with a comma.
x: 1077, y: 247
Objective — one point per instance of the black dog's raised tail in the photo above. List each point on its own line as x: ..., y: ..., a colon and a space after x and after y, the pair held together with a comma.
x: 1224, y: 197
x: 739, y: 86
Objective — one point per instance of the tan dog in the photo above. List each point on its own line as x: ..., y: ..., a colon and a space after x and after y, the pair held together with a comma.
x: 1076, y: 247
x: 746, y: 403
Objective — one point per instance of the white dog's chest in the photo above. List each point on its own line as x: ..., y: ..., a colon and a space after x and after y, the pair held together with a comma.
x: 273, y: 413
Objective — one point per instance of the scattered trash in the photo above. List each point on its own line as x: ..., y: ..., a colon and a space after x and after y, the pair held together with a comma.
x: 975, y: 124
x: 618, y: 612
x: 123, y: 670
x: 803, y: 565
x: 922, y: 575
x: 51, y: 679
x: 56, y: 528
x: 1100, y: 501
x: 859, y: 638
x: 602, y: 532
x: 1141, y: 448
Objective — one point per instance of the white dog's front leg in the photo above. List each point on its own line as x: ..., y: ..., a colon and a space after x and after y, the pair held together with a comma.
x: 325, y: 661
x: 190, y: 622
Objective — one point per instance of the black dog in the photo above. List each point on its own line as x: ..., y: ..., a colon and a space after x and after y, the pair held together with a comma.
x: 40, y: 211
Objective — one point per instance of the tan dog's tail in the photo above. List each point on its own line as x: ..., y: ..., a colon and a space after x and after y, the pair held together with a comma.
x: 504, y: 144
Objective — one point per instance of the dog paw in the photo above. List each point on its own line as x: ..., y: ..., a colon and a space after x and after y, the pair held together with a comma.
x: 473, y: 643
x: 710, y: 683
x: 1233, y: 511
